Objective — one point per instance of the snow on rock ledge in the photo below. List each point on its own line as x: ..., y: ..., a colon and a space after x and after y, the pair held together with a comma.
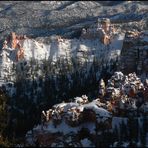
x: 17, y: 48
x: 66, y: 118
x: 108, y: 113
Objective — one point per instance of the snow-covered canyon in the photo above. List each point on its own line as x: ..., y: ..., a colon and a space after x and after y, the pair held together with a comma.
x: 52, y: 53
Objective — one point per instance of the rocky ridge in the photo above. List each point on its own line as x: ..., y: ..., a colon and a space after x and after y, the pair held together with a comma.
x: 83, y: 120
x: 65, y: 18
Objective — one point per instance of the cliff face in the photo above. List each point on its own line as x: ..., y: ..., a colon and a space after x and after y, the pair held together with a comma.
x: 71, y: 55
x: 134, y: 53
x: 75, y: 54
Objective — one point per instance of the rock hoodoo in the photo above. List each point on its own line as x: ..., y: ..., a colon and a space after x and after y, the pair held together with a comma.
x: 126, y: 100
x: 104, y: 31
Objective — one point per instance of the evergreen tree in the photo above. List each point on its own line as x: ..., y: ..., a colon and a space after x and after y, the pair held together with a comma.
x: 4, y: 119
x: 115, y: 136
x: 3, y: 112
x: 144, y: 131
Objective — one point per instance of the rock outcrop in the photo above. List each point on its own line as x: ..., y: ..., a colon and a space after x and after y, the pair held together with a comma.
x: 135, y: 53
x: 19, y: 50
x: 74, y: 118
x: 109, y: 113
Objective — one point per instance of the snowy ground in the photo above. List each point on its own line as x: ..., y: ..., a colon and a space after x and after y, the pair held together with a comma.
x: 59, y: 17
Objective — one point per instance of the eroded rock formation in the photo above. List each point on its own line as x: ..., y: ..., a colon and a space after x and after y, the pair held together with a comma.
x: 135, y: 52
x: 125, y: 99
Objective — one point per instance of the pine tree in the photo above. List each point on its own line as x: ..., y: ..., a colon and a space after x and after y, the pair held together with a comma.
x: 4, y: 119
x: 115, y: 136
x: 3, y: 112
x: 144, y: 131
